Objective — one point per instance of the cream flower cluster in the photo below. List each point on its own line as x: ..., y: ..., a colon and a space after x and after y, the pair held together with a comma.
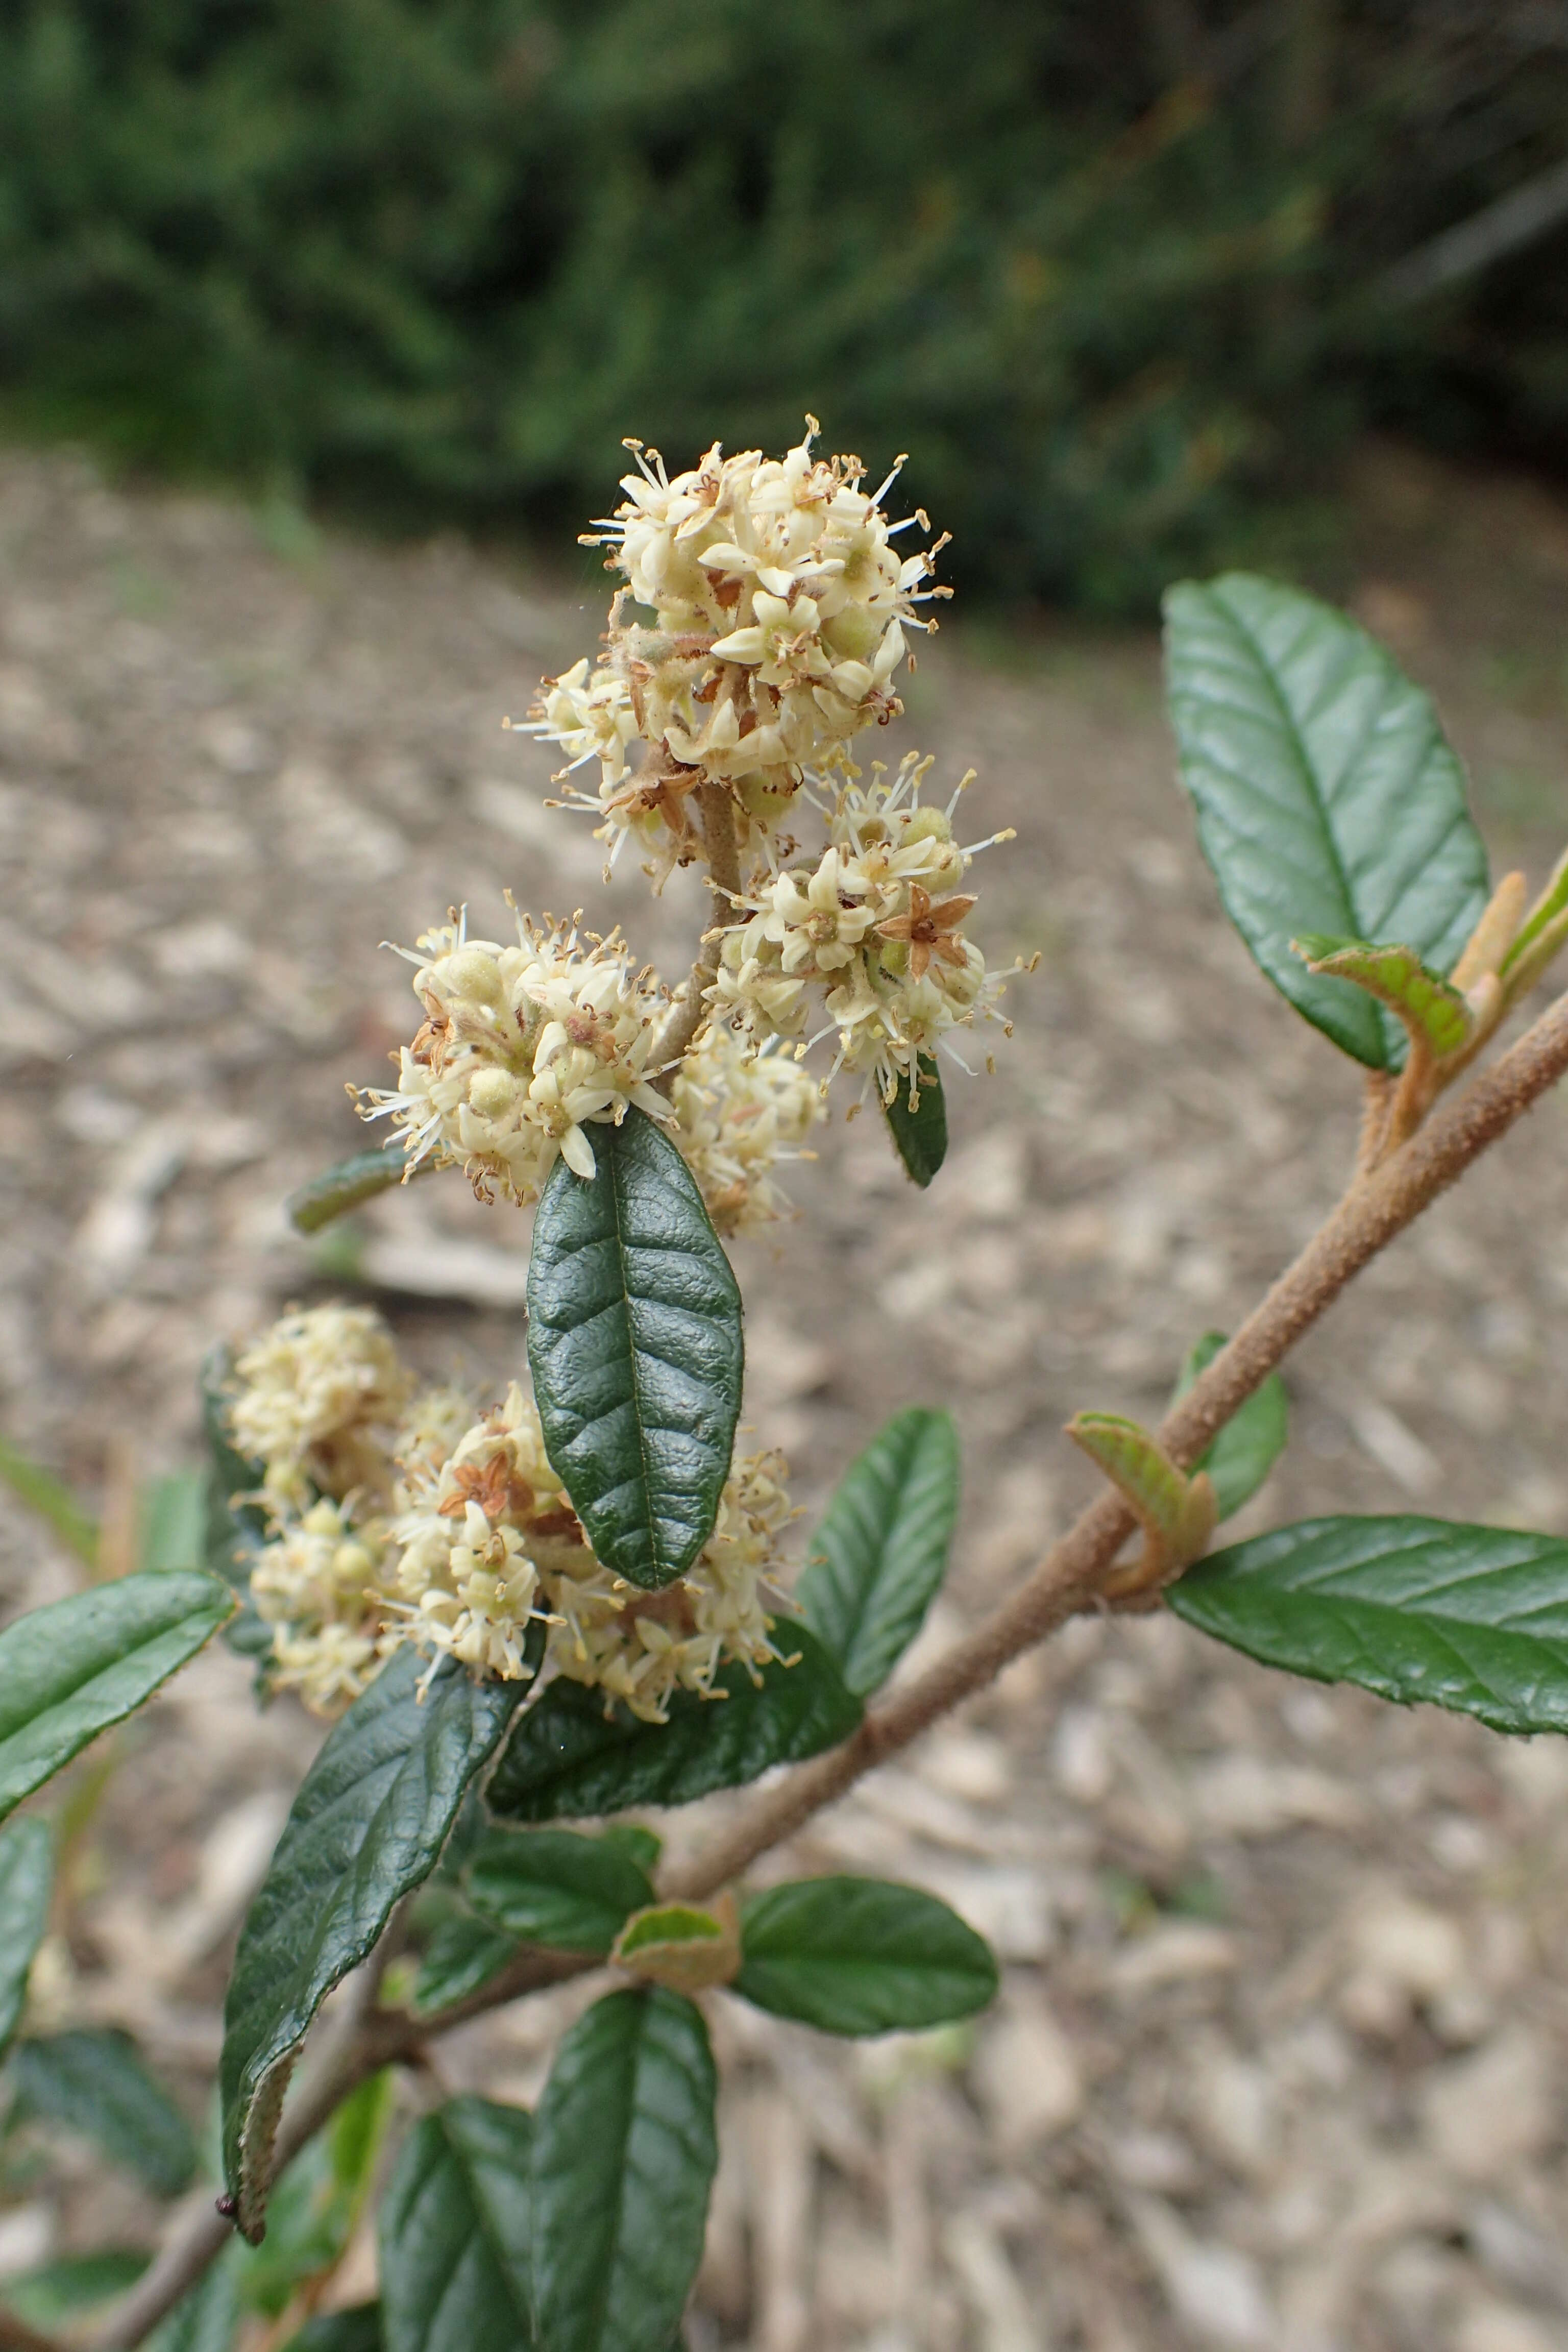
x: 780, y: 606
x: 738, y: 1111
x: 871, y: 937
x: 462, y: 1541
x: 522, y: 1050
x: 318, y: 1392
x: 319, y: 1585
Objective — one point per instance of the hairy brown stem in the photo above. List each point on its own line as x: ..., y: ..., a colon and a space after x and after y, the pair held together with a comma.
x: 689, y: 1010
x: 1377, y: 1208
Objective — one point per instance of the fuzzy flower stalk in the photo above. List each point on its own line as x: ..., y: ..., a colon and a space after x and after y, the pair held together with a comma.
x: 460, y: 1540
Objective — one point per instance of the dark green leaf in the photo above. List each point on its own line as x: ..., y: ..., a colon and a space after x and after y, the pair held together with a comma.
x: 554, y: 1886
x: 27, y: 1877
x: 316, y: 2202
x: 920, y: 1135
x: 1328, y: 798
x: 861, y: 1956
x: 634, y: 1336
x: 881, y: 1551
x: 345, y: 1187
x: 206, y: 2319
x: 69, y: 1671
x: 73, y: 2283
x: 624, y: 2152
x: 355, y: 2330
x: 455, y: 2229
x: 463, y: 1953
x: 568, y: 1757
x: 367, y: 1826
x: 1474, y: 1619
x: 1251, y: 1441
x: 92, y: 2081
x: 52, y: 1500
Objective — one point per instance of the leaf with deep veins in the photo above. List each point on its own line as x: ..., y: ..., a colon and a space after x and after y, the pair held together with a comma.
x: 367, y: 1825
x: 1328, y: 798
x: 634, y: 1340
x: 1472, y: 1619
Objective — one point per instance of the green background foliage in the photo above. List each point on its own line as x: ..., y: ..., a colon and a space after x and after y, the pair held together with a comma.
x: 1109, y: 272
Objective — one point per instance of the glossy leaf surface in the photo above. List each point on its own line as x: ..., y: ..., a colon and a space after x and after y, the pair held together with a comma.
x: 880, y: 1553
x: 861, y: 1956
x: 623, y: 2155
x: 69, y: 1671
x: 1328, y: 798
x: 557, y: 1887
x: 634, y: 1342
x: 367, y: 1825
x: 1247, y: 1448
x: 26, y: 1876
x: 1472, y: 1619
x: 463, y: 1953
x: 93, y: 2081
x: 919, y: 1136
x: 567, y: 1757
x: 455, y: 2231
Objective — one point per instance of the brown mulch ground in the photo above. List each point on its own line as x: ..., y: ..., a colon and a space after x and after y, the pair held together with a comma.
x: 1281, y: 2056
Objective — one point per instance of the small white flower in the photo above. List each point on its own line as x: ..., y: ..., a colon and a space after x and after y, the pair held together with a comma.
x: 522, y: 1050
x: 876, y: 926
x: 317, y: 1584
x: 740, y: 1110
x: 780, y: 609
x: 311, y: 1395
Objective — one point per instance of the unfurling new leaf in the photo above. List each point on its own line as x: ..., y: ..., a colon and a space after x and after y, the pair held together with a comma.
x: 679, y: 1947
x: 1328, y: 798
x: 1177, y: 1512
x: 634, y: 1342
x: 1423, y: 1000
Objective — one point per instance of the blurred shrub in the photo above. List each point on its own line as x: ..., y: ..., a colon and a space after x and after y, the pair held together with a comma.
x: 1107, y: 267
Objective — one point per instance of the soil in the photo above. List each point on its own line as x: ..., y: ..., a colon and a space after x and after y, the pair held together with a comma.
x: 1282, y: 2050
